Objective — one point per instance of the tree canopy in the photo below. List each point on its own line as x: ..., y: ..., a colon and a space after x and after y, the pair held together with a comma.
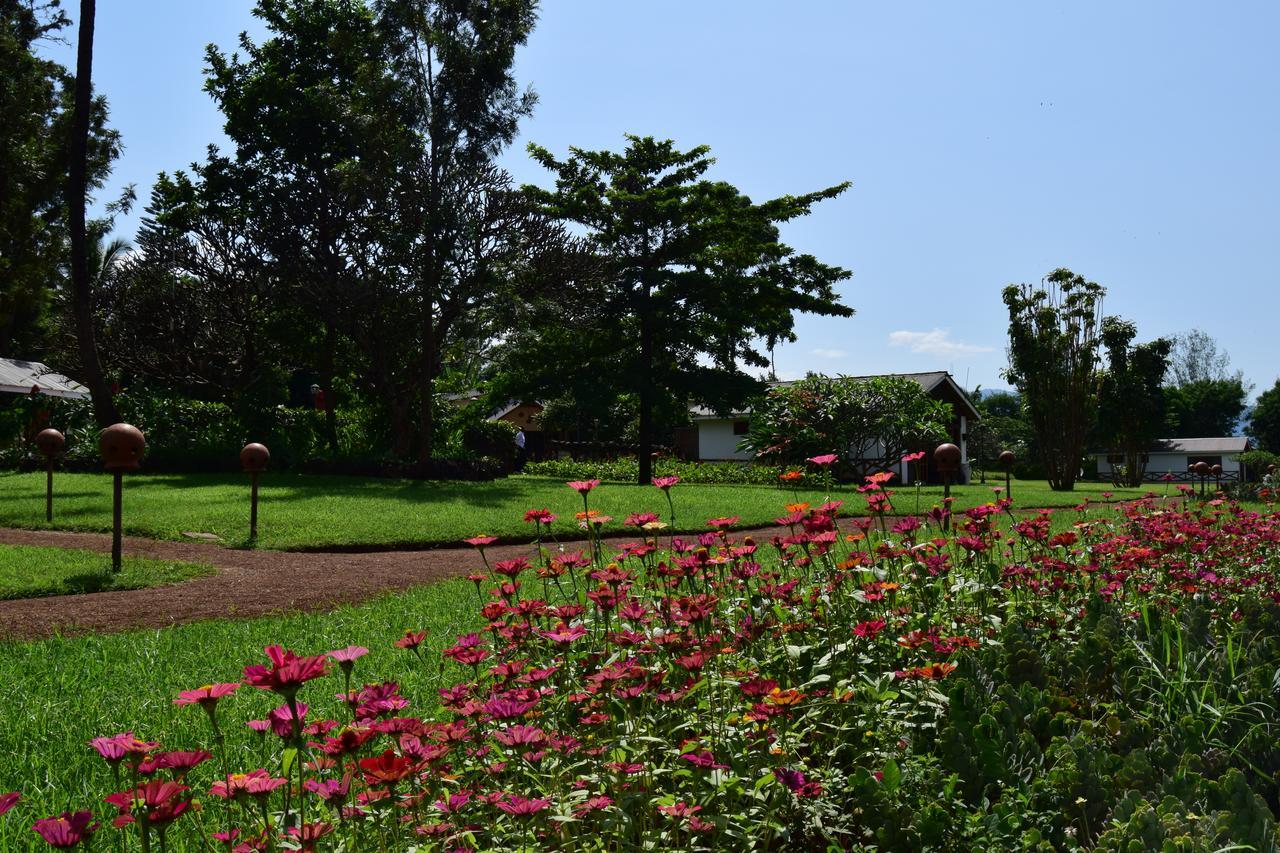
x: 692, y: 283
x: 1131, y: 400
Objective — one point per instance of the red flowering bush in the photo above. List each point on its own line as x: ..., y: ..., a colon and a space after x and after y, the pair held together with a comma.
x: 830, y: 687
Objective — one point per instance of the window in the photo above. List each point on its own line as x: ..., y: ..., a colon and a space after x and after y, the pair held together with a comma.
x: 740, y: 427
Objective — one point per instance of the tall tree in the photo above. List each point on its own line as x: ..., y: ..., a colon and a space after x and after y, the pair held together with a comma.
x: 459, y: 100
x: 1206, y: 407
x: 1264, y: 420
x: 1195, y: 358
x: 1131, y: 399
x: 694, y: 276
x: 1053, y: 362
x: 77, y: 196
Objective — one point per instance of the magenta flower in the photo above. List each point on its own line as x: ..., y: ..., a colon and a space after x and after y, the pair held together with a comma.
x: 722, y: 523
x: 8, y: 801
x: 116, y: 747
x: 519, y: 806
x: 480, y: 541
x: 67, y: 829
x: 206, y: 696
x: 665, y: 483
x: 287, y: 672
x: 582, y: 486
x: 540, y: 516
x: 564, y: 634
x: 704, y: 759
x: 823, y: 460
x: 347, y: 657
x: 281, y: 719
x: 256, y: 783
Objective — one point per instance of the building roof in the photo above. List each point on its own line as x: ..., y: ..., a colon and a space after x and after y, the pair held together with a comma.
x: 20, y: 377
x: 1223, y: 444
x: 929, y: 381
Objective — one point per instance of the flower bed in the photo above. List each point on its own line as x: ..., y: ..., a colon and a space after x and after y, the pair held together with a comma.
x: 988, y: 680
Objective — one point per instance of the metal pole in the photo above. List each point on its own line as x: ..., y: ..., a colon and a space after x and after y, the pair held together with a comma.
x: 253, y: 507
x: 117, y: 477
x: 1008, y: 483
x: 48, y: 490
x: 946, y: 504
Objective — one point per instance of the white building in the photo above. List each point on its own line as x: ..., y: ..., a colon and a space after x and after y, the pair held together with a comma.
x: 1176, y: 455
x: 717, y: 436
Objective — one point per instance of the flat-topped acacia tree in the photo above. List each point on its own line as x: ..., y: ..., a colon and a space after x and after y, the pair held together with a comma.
x: 694, y: 282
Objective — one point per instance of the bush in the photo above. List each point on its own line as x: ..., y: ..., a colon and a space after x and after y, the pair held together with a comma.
x: 627, y: 470
x: 1257, y: 462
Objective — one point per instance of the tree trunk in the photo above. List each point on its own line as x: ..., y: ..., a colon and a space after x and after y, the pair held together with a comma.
x: 326, y: 379
x: 426, y: 417
x: 104, y: 408
x: 644, y: 452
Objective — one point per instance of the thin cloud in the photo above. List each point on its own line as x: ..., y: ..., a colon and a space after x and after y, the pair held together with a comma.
x: 829, y: 353
x: 934, y: 342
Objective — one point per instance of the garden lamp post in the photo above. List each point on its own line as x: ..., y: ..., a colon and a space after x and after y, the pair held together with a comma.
x: 253, y: 459
x: 1006, y: 461
x: 50, y: 442
x: 121, y: 446
x: 947, y: 458
x: 1202, y: 471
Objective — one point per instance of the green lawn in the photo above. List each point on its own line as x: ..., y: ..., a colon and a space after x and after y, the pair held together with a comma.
x: 301, y: 512
x: 58, y: 694
x: 26, y: 572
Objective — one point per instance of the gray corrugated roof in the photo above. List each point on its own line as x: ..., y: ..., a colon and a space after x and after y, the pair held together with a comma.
x: 18, y: 377
x: 1224, y: 444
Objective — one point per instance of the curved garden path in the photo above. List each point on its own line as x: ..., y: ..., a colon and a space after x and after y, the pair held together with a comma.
x: 246, y: 584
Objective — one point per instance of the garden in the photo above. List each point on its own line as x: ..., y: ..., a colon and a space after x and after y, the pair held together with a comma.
x: 1094, y: 677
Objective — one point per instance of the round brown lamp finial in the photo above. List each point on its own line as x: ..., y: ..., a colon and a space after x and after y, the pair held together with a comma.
x: 50, y: 442
x: 1201, y: 468
x: 947, y: 458
x: 1007, y: 458
x: 1217, y: 470
x: 121, y: 446
x: 254, y: 458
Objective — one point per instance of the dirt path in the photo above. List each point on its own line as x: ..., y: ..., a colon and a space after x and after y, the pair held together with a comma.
x: 247, y: 583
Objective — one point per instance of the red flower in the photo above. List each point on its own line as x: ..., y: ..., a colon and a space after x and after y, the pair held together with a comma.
x: 256, y: 783
x: 287, y: 672
x: 540, y: 516
x: 162, y: 802
x: 67, y: 829
x: 8, y: 801
x: 411, y: 640
x: 387, y: 769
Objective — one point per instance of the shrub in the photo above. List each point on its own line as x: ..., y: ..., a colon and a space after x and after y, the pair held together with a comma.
x: 626, y: 470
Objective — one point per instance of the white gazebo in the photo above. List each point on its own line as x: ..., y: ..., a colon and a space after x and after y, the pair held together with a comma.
x: 32, y: 377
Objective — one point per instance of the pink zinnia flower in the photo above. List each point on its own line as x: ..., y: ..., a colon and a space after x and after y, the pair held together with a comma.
x: 582, y: 486
x: 256, y: 783
x: 480, y: 541
x: 704, y: 759
x: 347, y: 657
x: 519, y: 806
x: 116, y: 747
x: 281, y: 719
x: 665, y: 483
x: 8, y: 801
x: 720, y: 523
x: 540, y: 516
x: 67, y: 829
x: 162, y: 801
x: 564, y: 634
x: 206, y: 696
x: 287, y: 672
x: 411, y: 640
x: 824, y: 460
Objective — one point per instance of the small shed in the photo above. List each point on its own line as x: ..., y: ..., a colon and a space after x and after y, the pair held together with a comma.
x: 1176, y: 455
x: 32, y: 377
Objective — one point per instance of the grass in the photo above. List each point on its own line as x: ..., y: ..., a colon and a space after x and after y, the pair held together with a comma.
x: 299, y: 512
x: 60, y: 693
x: 27, y: 571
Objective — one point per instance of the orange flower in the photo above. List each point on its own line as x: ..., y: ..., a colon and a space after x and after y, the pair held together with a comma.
x: 791, y: 476
x: 784, y: 698
x: 801, y: 507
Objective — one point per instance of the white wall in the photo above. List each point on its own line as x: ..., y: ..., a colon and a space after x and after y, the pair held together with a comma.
x: 1176, y: 463
x: 717, y: 441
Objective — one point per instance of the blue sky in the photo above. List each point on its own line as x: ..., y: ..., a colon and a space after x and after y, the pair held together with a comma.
x: 987, y: 143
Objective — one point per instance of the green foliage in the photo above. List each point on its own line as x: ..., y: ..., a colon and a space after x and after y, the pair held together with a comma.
x: 1205, y: 408
x: 1264, y: 419
x: 868, y: 423
x: 1003, y: 426
x: 1257, y: 462
x: 1131, y: 400
x: 1053, y: 356
x: 625, y: 470
x: 691, y: 274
